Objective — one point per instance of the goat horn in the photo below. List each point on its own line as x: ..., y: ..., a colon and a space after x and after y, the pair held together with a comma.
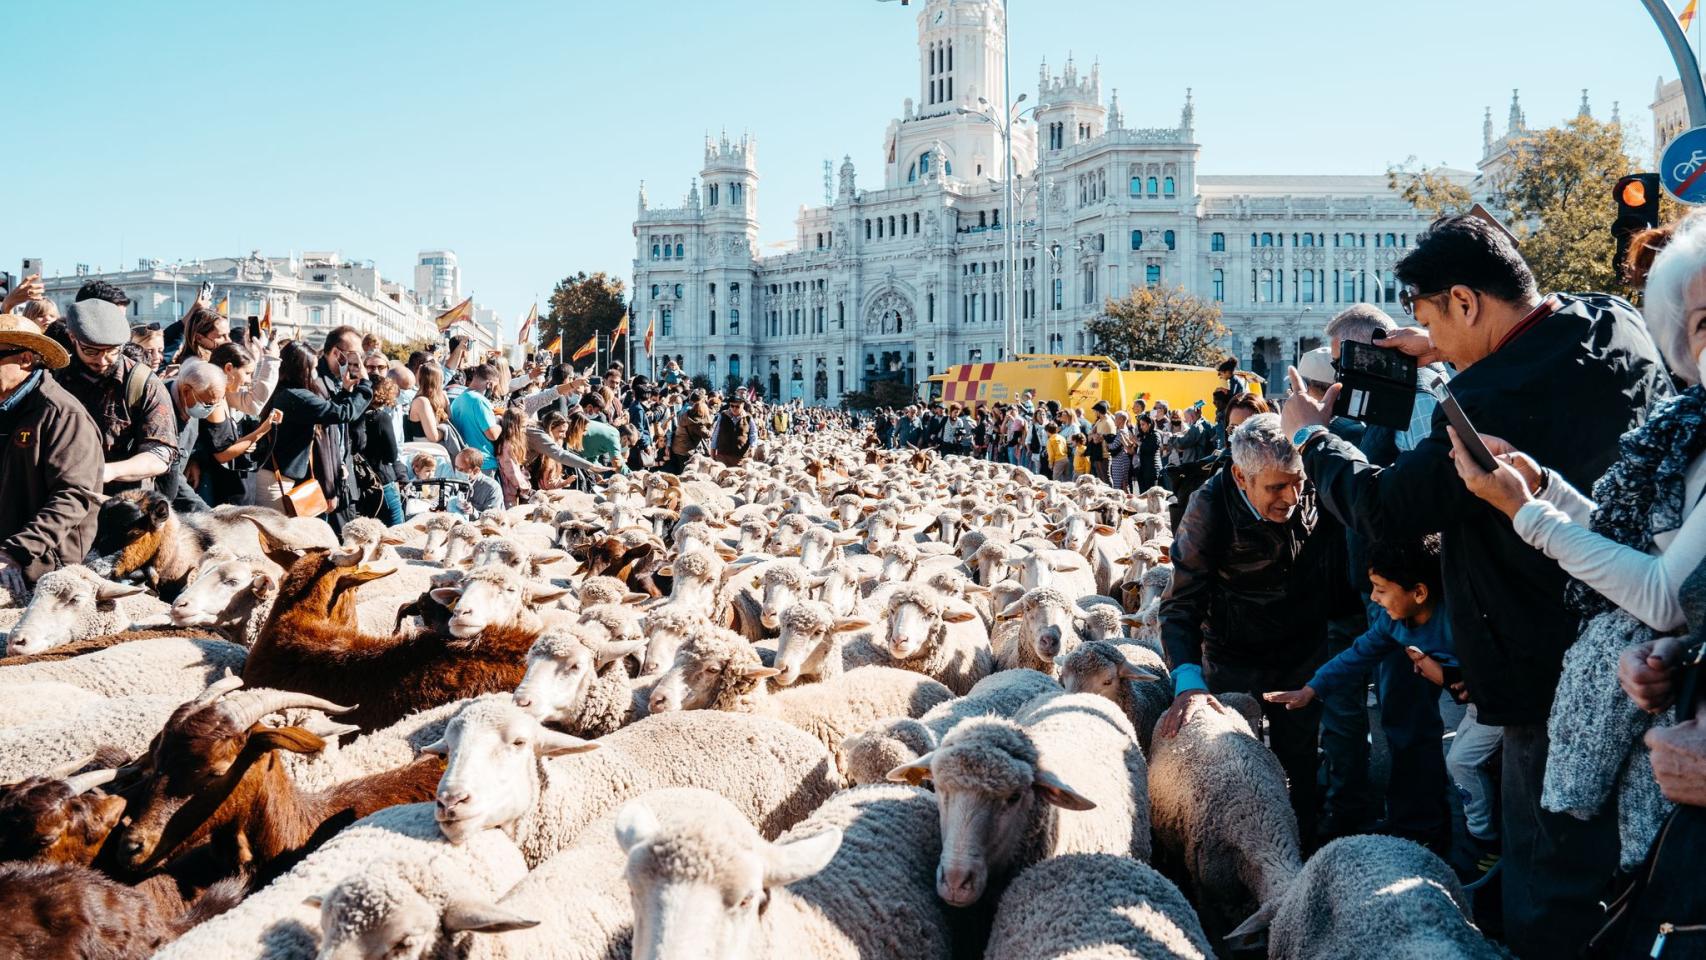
x: 84, y: 782
x: 69, y: 767
x: 247, y: 708
x: 217, y: 689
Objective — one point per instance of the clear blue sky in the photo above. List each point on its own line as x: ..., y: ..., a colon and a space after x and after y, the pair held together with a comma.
x: 516, y: 133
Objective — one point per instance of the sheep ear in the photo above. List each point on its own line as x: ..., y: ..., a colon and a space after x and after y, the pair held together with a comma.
x: 478, y: 915
x: 554, y: 744
x: 636, y: 825
x: 635, y: 597
x: 1012, y: 611
x: 109, y: 590
x: 1104, y: 529
x: 313, y: 901
x: 959, y: 616
x: 437, y: 748
x: 1253, y: 933
x: 366, y: 572
x: 446, y: 595
x: 976, y: 588
x: 1131, y: 671
x: 849, y: 623
x: 1052, y: 790
x: 544, y: 557
x: 1062, y: 566
x: 916, y: 773
x: 667, y: 570
x: 545, y: 592
x: 394, y: 537
x: 793, y: 860
x: 264, y: 586
x: 756, y: 673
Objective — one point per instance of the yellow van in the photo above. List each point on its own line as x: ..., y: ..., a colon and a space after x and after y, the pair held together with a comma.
x: 1079, y: 381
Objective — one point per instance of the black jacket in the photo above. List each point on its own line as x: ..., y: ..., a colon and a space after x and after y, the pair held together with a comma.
x: 1246, y: 591
x: 303, y: 410
x: 1563, y: 392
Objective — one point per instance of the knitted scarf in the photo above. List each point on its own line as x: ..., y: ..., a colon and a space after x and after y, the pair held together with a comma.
x: 1641, y: 495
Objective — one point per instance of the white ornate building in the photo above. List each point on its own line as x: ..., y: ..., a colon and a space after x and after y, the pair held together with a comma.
x: 901, y: 280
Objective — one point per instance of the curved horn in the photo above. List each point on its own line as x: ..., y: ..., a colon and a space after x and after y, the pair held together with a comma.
x: 217, y: 689
x: 247, y: 708
x: 69, y: 767
x: 84, y: 782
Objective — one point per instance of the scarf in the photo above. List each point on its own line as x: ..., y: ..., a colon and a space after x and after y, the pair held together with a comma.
x: 1642, y: 494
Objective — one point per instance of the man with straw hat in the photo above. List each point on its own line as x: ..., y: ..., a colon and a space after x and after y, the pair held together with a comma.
x: 50, y: 460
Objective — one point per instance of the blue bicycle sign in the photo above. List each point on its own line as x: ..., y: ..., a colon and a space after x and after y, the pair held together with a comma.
x: 1683, y: 168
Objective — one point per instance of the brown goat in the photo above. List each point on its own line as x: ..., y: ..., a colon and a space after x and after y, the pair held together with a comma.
x: 72, y: 912
x: 389, y: 677
x: 215, y: 788
x: 61, y: 817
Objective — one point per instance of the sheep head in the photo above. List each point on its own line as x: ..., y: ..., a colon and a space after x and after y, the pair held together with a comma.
x: 1049, y: 621
x: 1079, y: 531
x: 809, y: 631
x: 561, y: 665
x: 393, y: 909
x: 889, y: 744
x: 715, y: 669
x: 916, y: 616
x: 493, y: 596
x: 435, y: 543
x: 782, y: 583
x: 224, y: 594
x: 1100, y: 667
x: 491, y: 778
x: 989, y: 785
x: 69, y: 604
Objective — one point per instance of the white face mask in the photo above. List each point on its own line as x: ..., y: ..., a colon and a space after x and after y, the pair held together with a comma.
x: 200, y: 411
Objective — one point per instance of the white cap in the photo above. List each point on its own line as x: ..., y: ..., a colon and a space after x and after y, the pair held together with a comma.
x: 1317, y: 366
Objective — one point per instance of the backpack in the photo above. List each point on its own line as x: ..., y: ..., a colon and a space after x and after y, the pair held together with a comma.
x: 135, y: 386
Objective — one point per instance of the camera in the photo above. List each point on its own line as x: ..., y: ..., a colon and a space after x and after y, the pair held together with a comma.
x: 1377, y: 386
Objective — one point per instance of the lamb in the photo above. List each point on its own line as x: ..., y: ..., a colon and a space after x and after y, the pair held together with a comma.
x: 1095, y: 904
x: 565, y: 686
x: 1132, y: 676
x: 1003, y: 784
x: 1222, y: 816
x: 166, y: 665
x: 775, y: 773
x: 718, y: 670
x: 68, y: 910
x: 901, y: 740
x: 1370, y: 898
x: 1036, y: 629
x: 696, y: 890
x: 72, y: 604
x: 281, y: 921
x: 937, y: 636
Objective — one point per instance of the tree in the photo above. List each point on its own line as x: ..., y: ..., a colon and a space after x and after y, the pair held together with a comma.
x: 883, y: 393
x: 1557, y: 195
x: 401, y: 351
x: 582, y: 305
x: 1161, y: 324
x: 701, y: 381
x: 1428, y: 189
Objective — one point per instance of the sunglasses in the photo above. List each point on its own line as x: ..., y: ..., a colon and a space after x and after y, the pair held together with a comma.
x: 1408, y: 296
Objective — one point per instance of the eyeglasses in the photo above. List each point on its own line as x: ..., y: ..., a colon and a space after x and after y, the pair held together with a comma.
x: 1408, y: 296
x: 94, y: 354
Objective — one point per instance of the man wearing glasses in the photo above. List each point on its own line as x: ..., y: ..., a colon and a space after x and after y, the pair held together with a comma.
x: 1562, y: 377
x: 129, y: 404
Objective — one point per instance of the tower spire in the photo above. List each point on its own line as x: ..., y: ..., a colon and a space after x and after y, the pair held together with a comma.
x: 1516, y: 119
x: 1584, y: 110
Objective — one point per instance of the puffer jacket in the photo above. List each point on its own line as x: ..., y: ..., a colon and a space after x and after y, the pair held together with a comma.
x: 1248, y: 592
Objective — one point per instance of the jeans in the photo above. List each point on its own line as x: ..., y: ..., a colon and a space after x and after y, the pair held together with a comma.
x: 1417, y: 804
x: 1475, y: 744
x: 1556, y: 868
x: 1291, y: 733
x: 1344, y: 736
x: 392, y: 511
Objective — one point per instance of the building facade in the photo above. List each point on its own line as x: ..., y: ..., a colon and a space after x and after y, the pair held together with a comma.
x: 310, y: 294
x: 438, y: 280
x: 900, y: 281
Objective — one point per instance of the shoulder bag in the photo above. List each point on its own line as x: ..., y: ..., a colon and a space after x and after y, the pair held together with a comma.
x: 305, y: 499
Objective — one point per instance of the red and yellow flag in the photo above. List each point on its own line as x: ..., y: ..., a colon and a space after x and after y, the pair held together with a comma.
x: 555, y: 344
x: 1686, y: 17
x: 266, y: 318
x: 586, y: 349
x: 457, y: 314
x: 527, y: 325
x: 620, y: 331
x: 651, y: 330
x: 224, y: 307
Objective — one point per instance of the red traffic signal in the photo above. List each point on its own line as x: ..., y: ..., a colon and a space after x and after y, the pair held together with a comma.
x: 1637, y: 199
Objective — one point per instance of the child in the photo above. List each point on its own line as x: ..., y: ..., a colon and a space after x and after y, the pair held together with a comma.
x: 1060, y: 465
x: 484, y: 493
x: 1080, y: 454
x: 424, y: 467
x: 1407, y: 587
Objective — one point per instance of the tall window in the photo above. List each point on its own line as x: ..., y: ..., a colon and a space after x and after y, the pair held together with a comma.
x: 654, y: 251
x: 1267, y: 286
x: 1217, y: 243
x: 1309, y: 239
x: 1153, y: 187
x: 734, y: 366
x: 713, y: 330
x: 666, y: 321
x: 1267, y: 239
x: 680, y: 250
x: 1219, y: 286
x: 1059, y: 286
x: 1137, y: 186
x: 1350, y: 284
x: 1137, y: 239
x: 1152, y: 274
x: 1167, y: 187
x: 1307, y: 293
x: 734, y: 320
x: 1171, y: 239
x: 713, y: 194
x: 867, y: 228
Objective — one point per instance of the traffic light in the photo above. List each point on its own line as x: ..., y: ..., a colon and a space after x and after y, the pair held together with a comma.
x: 1637, y: 199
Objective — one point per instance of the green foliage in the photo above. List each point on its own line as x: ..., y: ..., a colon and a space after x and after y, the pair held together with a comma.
x: 702, y: 382
x: 1428, y: 190
x: 1557, y: 193
x: 582, y: 305
x: 400, y: 351
x: 1162, y: 324
x: 883, y: 393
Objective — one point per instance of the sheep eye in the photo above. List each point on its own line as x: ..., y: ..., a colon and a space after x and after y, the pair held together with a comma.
x: 518, y: 742
x: 1012, y: 799
x: 714, y: 668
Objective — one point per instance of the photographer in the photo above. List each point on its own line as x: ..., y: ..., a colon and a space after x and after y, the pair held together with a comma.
x: 1480, y: 311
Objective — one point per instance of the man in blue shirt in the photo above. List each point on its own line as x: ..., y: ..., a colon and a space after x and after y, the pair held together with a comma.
x: 1406, y: 581
x: 472, y: 415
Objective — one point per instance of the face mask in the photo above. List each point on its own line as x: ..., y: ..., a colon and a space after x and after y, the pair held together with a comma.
x: 200, y: 411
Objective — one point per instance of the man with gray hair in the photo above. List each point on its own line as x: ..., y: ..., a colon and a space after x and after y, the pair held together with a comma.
x: 1246, y: 609
x: 200, y: 386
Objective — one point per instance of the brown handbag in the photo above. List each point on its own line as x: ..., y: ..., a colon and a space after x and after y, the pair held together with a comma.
x: 306, y: 499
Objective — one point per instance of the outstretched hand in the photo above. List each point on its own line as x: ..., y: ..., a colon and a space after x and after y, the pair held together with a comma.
x: 1184, y: 706
x: 1292, y: 699
x: 1302, y: 410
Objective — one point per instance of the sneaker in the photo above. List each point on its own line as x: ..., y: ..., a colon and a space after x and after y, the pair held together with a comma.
x: 1475, y: 858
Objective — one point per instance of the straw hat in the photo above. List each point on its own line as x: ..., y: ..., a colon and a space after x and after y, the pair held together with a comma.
x: 20, y: 331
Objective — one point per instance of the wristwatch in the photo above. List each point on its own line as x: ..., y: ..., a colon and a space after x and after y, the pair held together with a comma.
x: 1301, y: 438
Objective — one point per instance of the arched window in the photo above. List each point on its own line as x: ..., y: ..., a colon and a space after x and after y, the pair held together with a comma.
x: 710, y: 364
x: 666, y: 321
x: 1392, y: 240
x: 1137, y: 186
x: 1170, y: 239
x: 1219, y: 286
x: 912, y: 174
x: 668, y: 251
x: 1137, y: 239
x: 1307, y: 294
x: 903, y: 225
x: 1167, y: 187
x: 734, y: 366
x: 734, y: 320
x: 1267, y: 286
x: 713, y: 192
x: 879, y: 228
x: 915, y: 221
x: 680, y: 250
x: 1267, y: 239
x: 1309, y: 239
x: 654, y: 251
x: 867, y: 228
x: 654, y: 291
x: 678, y: 291
x: 891, y: 226
x: 1152, y: 274
x: 1217, y: 243
x: 1252, y: 239
x: 947, y: 167
x: 1153, y: 185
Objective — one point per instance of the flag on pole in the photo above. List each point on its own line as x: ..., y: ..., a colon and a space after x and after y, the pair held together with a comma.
x: 224, y: 307
x: 555, y: 344
x: 620, y: 331
x: 457, y: 314
x: 586, y: 349
x: 651, y: 328
x: 527, y: 325
x: 1686, y: 17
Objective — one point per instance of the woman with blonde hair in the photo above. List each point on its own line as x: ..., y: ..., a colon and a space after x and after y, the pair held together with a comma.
x: 511, y: 447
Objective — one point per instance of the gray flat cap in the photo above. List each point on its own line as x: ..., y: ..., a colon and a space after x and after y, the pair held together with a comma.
x: 98, y: 323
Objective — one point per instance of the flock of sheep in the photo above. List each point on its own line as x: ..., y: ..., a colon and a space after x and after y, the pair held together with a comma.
x: 832, y: 703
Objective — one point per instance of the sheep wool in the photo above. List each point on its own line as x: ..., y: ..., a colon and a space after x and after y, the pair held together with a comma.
x: 1095, y: 668
x: 126, y: 724
x: 900, y: 740
x: 955, y: 654
x: 1100, y: 905
x: 163, y: 666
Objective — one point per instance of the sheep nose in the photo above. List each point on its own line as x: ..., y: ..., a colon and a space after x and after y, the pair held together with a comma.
x: 959, y: 884
x: 660, y: 702
x: 522, y: 700
x: 448, y: 801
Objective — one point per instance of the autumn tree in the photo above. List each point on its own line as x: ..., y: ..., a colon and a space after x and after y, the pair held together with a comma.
x: 1428, y: 189
x: 1556, y: 193
x: 582, y: 305
x: 1161, y: 324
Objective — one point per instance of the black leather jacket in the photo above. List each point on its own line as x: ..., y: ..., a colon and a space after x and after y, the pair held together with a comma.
x: 1248, y: 592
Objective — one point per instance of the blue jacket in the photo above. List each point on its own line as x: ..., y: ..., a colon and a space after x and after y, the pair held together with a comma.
x: 1384, y: 636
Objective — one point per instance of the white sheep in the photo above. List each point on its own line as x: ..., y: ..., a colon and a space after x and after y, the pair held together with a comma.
x: 575, y: 681
x: 126, y: 724
x: 938, y: 636
x: 1131, y: 675
x: 72, y: 603
x: 1081, y: 905
x: 1036, y: 629
x: 810, y: 644
x: 43, y: 701
x: 231, y: 596
x: 387, y: 748
x: 900, y: 740
x: 776, y: 773
x: 1064, y: 776
x: 1370, y: 898
x: 1222, y: 816
x: 162, y: 665
x: 706, y: 884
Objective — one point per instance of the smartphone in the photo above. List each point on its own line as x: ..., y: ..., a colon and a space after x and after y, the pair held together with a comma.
x: 1459, y: 421
x: 254, y: 329
x: 32, y: 268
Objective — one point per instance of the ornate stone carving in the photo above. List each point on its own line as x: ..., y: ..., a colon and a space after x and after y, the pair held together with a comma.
x: 889, y: 312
